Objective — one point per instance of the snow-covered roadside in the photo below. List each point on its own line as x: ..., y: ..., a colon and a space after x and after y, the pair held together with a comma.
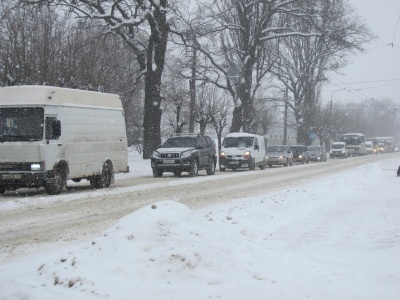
x: 334, y: 238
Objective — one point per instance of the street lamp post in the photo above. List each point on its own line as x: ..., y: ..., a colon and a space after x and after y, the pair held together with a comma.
x: 330, y: 114
x: 332, y: 96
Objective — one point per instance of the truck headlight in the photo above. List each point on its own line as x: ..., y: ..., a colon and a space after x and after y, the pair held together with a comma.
x: 247, y: 154
x: 222, y: 154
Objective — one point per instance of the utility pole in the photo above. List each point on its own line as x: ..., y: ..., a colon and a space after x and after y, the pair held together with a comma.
x: 285, y: 118
x: 192, y: 88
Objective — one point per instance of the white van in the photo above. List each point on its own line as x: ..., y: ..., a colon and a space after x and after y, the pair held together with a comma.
x: 369, y: 147
x: 242, y: 150
x: 49, y: 135
x: 338, y: 149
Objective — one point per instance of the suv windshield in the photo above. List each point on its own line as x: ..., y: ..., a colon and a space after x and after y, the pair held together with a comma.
x: 276, y: 149
x: 180, y: 142
x: 239, y: 141
x: 21, y: 124
x: 314, y: 148
x: 337, y: 146
x: 298, y: 148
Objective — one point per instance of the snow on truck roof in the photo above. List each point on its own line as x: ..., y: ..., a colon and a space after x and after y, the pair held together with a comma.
x: 48, y: 95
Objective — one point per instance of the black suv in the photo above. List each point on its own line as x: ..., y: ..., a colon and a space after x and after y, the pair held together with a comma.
x: 185, y: 153
x: 300, y: 153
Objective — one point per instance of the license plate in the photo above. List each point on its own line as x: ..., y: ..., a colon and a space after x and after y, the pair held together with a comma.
x: 168, y: 161
x: 11, y: 176
x: 245, y: 165
x: 233, y: 162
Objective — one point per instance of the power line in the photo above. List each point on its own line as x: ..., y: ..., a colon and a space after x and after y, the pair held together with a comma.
x: 372, y: 81
x: 398, y: 19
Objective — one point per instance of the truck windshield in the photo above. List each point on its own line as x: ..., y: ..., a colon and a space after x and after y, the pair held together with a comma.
x: 21, y: 124
x: 240, y: 141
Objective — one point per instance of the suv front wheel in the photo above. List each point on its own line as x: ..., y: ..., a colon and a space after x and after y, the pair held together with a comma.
x: 157, y: 173
x: 194, y: 170
x: 211, y: 170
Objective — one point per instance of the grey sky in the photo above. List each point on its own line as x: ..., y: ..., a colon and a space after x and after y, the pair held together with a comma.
x: 379, y: 68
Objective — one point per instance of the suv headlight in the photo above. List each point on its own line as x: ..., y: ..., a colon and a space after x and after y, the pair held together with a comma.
x: 247, y: 154
x: 156, y: 154
x: 37, y: 167
x: 186, y: 153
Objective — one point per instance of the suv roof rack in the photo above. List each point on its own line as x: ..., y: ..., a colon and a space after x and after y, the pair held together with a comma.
x: 188, y: 134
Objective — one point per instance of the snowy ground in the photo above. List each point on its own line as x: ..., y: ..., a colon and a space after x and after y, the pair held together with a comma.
x: 334, y: 238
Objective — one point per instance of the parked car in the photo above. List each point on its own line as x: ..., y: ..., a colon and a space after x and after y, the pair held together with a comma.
x: 300, y: 154
x: 185, y: 153
x: 279, y: 155
x: 317, y: 153
x: 338, y: 149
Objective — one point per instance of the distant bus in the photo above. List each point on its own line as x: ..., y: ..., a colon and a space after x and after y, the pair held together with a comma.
x: 355, y: 143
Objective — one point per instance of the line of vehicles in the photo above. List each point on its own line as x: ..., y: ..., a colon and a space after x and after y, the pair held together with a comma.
x: 191, y: 153
x: 49, y: 135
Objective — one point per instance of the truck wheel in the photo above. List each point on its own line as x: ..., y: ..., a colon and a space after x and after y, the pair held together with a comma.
x: 211, y: 170
x: 252, y: 165
x: 104, y: 180
x: 263, y: 165
x: 286, y: 163
x: 56, y: 186
x: 194, y: 170
x: 2, y: 191
x: 106, y: 175
x: 157, y: 173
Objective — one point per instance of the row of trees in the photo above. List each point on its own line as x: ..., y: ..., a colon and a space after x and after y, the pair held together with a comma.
x: 209, y: 62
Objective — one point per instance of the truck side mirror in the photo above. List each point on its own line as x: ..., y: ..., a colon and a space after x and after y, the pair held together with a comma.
x: 256, y: 147
x: 57, y: 128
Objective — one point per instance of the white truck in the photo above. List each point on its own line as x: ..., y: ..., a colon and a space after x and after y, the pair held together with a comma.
x: 50, y: 134
x: 242, y: 150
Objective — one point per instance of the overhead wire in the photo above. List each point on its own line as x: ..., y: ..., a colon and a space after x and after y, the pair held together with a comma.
x: 395, y: 30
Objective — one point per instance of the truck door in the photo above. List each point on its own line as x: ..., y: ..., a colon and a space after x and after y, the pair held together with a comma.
x: 256, y: 150
x: 53, y: 143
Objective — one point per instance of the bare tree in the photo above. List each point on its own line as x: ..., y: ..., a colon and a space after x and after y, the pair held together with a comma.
x: 241, y: 33
x: 304, y: 61
x: 40, y: 45
x: 144, y: 27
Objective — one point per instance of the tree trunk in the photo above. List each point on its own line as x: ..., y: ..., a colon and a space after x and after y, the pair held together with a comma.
x: 155, y: 59
x: 152, y: 116
x: 236, y: 119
